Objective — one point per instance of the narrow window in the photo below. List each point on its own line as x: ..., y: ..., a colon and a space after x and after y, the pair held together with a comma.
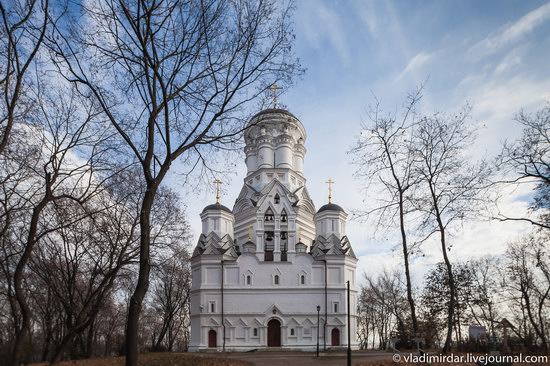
x: 276, y: 279
x: 335, y: 307
x: 255, y: 332
x: 212, y: 307
x: 291, y: 331
x: 277, y: 198
x: 302, y: 279
x: 248, y: 280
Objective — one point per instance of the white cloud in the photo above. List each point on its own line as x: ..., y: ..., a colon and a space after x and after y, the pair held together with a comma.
x: 419, y: 60
x: 321, y: 24
x: 510, y: 33
x: 512, y: 59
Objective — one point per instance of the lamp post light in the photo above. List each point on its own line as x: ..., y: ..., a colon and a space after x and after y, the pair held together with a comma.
x: 318, y: 310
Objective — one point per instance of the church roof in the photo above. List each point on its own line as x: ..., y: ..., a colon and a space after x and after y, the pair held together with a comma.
x: 331, y: 207
x: 272, y: 110
x: 331, y: 246
x: 212, y: 244
x: 218, y: 207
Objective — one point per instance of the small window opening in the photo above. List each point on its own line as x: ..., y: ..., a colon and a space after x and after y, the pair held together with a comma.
x: 302, y: 279
x: 336, y: 307
x: 284, y: 217
x: 255, y: 332
x: 276, y: 279
x: 277, y: 199
x: 268, y: 215
x: 291, y: 331
x: 248, y: 280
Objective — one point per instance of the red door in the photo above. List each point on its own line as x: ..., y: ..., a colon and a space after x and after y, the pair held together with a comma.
x: 335, y: 335
x: 212, y: 338
x: 274, y: 333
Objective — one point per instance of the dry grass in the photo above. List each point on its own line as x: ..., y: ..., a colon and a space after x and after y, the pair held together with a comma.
x: 159, y: 359
x: 391, y: 363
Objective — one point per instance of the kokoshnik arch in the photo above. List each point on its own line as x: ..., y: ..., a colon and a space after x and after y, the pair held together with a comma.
x: 261, y: 269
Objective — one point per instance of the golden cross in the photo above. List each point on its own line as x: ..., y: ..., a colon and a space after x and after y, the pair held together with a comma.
x: 330, y: 182
x: 217, y: 182
x: 274, y: 89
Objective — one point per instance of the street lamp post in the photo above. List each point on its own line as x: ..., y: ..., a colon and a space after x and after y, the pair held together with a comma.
x: 318, y: 310
x: 349, y: 327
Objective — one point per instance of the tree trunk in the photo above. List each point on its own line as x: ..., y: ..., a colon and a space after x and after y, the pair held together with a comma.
x: 60, y: 349
x: 132, y: 326
x: 451, y: 309
x: 406, y: 260
x: 22, y: 333
x: 452, y: 297
x: 90, y: 340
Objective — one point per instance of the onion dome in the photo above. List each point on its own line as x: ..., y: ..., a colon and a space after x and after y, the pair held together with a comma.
x: 217, y: 207
x: 331, y: 207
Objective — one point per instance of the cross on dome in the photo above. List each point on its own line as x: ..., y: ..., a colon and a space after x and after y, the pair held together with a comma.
x: 274, y: 88
x: 330, y: 182
x: 217, y: 182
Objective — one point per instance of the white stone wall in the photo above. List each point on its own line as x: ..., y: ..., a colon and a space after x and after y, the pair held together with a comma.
x: 249, y: 306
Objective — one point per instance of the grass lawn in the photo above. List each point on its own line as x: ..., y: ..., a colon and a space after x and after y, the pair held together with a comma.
x: 159, y: 359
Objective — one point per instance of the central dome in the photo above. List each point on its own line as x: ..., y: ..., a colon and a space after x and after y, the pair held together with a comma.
x: 271, y: 111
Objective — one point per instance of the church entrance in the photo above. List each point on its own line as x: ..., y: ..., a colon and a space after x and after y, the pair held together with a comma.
x: 212, y: 339
x: 335, y: 335
x: 274, y: 333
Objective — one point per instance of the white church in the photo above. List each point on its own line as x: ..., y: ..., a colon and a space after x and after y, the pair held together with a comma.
x: 272, y: 271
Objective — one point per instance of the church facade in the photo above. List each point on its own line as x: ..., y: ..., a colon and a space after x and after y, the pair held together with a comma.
x: 272, y: 272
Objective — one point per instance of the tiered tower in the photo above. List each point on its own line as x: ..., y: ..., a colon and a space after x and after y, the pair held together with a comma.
x: 261, y: 269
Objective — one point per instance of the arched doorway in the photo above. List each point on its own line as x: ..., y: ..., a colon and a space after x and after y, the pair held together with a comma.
x: 274, y: 333
x: 212, y: 338
x: 335, y: 337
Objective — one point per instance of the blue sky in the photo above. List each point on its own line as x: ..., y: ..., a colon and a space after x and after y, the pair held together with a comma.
x: 493, y: 54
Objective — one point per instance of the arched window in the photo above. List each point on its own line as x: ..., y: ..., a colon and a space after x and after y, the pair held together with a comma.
x: 284, y: 217
x: 276, y: 279
x: 302, y: 280
x: 248, y: 279
x: 277, y: 198
x: 268, y: 215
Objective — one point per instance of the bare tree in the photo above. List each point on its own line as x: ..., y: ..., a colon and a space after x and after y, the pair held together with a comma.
x: 70, y: 152
x: 528, y: 160
x: 174, y: 78
x: 528, y: 269
x: 383, y: 154
x: 22, y: 30
x: 79, y: 263
x: 436, y: 294
x: 451, y: 186
x: 486, y: 292
x: 170, y: 298
x: 382, y: 306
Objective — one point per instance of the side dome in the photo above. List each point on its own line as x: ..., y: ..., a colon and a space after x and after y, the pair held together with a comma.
x: 249, y: 247
x: 217, y: 207
x: 331, y: 207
